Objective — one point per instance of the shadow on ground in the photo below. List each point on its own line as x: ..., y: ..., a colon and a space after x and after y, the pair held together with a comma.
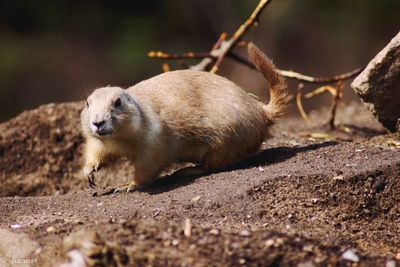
x: 263, y: 158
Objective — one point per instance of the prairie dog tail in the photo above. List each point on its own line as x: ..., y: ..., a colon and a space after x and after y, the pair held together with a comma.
x: 278, y: 93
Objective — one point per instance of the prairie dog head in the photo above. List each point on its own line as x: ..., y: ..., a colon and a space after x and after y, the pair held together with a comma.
x: 110, y: 112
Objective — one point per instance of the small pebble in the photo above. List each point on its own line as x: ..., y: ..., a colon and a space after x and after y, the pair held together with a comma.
x: 338, y: 178
x: 245, y: 232
x: 350, y: 255
x: 15, y: 226
x: 51, y: 229
x: 214, y: 231
x: 269, y: 243
x: 195, y: 199
x: 308, y: 248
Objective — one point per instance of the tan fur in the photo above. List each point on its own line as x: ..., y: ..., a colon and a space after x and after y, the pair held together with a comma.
x: 278, y: 94
x: 181, y: 116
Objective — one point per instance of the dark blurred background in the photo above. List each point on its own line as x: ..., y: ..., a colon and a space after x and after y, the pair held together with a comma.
x: 57, y: 51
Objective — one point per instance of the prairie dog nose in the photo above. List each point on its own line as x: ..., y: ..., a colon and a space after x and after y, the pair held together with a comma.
x: 98, y: 124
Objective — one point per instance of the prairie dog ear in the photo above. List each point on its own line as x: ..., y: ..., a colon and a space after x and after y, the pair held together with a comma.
x: 127, y: 96
x: 130, y: 98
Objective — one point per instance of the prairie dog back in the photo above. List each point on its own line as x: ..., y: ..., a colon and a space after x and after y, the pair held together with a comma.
x: 199, y: 105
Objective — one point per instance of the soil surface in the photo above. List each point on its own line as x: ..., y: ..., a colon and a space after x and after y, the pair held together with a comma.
x: 310, y: 197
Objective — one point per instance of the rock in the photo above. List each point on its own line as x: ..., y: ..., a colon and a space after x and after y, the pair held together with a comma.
x: 15, y: 226
x: 379, y: 85
x: 214, y: 231
x: 269, y: 243
x: 245, y: 233
x: 338, y: 178
x: 51, y: 229
x: 350, y: 255
x: 196, y: 198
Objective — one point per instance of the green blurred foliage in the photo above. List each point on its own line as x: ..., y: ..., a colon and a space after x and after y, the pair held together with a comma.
x: 54, y: 51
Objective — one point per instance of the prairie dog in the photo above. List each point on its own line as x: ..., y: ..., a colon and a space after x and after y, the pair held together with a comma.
x: 179, y: 116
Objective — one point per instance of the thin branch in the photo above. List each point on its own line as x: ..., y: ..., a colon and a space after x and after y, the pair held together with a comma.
x: 166, y: 67
x: 299, y: 94
x: 239, y: 33
x: 203, y: 64
x: 337, y: 97
x: 321, y: 90
x: 298, y: 76
x: 223, y: 48
x: 190, y: 55
x: 222, y: 38
x: 245, y: 61
x: 310, y: 79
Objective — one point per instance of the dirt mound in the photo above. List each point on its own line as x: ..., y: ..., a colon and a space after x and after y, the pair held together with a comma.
x: 38, y: 148
x: 41, y: 153
x: 309, y: 196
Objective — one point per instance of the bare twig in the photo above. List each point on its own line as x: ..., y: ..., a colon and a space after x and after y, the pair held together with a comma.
x: 305, y: 78
x: 222, y: 47
x: 166, y: 67
x: 299, y: 94
x: 245, y: 61
x: 190, y: 55
x: 298, y: 76
x: 338, y: 95
x: 239, y: 33
x: 221, y: 39
x: 336, y: 92
x: 321, y: 90
x: 203, y: 64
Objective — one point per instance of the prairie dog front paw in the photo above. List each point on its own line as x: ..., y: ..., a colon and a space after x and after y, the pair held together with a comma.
x: 90, y: 167
x: 89, y: 170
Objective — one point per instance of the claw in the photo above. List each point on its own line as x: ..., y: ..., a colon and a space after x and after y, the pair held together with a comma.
x: 90, y: 177
x: 105, y: 192
x: 127, y: 188
x: 97, y: 168
x: 89, y: 171
x: 117, y: 190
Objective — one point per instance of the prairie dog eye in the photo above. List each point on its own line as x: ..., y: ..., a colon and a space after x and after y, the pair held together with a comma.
x: 117, y: 102
x: 87, y: 104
